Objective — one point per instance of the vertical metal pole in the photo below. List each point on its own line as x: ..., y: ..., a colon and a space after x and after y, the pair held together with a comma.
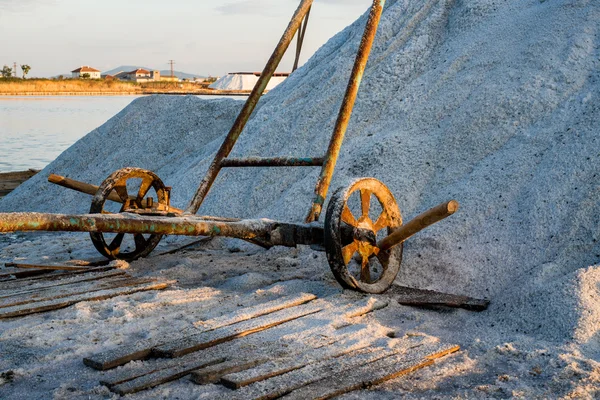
x: 343, y: 119
x: 249, y: 107
x: 301, y: 33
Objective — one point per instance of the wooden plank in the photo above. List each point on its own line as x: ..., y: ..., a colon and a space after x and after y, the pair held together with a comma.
x: 283, y: 384
x: 270, y: 369
x: 162, y: 376
x: 141, y: 350
x: 11, y: 180
x: 211, y: 338
x: 53, y: 293
x: 26, y: 309
x: 323, y: 347
x: 12, y: 274
x: 50, y: 267
x: 238, y: 351
x: 256, y: 311
x: 430, y: 298
x: 48, y: 276
x: 372, y: 373
x: 35, y: 286
x: 213, y: 374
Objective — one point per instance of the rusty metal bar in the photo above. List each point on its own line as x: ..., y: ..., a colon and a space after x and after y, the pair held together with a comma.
x: 87, y: 188
x: 267, y: 231
x: 345, y: 111
x: 301, y: 34
x: 417, y: 224
x: 273, y: 162
x: 249, y: 106
x: 81, y: 187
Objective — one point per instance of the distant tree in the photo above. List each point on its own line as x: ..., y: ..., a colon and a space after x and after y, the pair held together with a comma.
x: 60, y: 77
x: 6, y: 71
x: 85, y: 76
x: 26, y: 68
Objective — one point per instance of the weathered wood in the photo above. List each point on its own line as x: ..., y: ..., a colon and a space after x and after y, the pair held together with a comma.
x: 270, y: 369
x: 72, y: 281
x: 430, y: 298
x: 162, y: 376
x: 14, y: 273
x: 9, y: 181
x: 214, y: 373
x: 211, y: 338
x: 372, y: 373
x: 26, y: 309
x: 417, y: 224
x: 54, y: 293
x: 141, y: 350
x: 49, y: 267
x: 319, y: 336
x: 49, y: 276
x: 256, y: 311
x: 280, y: 385
x: 320, y: 344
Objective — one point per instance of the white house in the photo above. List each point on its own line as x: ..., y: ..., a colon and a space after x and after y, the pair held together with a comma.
x: 92, y: 72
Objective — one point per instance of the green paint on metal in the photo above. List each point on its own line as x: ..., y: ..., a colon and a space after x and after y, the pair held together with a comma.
x: 319, y: 200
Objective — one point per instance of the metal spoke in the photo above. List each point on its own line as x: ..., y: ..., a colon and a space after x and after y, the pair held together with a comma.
x: 382, y: 222
x: 347, y: 216
x: 144, y: 188
x: 365, y: 202
x: 365, y: 273
x: 122, y: 192
x: 116, y: 242
x: 140, y: 241
x: 348, y: 251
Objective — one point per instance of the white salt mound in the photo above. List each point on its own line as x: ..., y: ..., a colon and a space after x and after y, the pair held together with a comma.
x: 494, y: 103
x: 243, y: 82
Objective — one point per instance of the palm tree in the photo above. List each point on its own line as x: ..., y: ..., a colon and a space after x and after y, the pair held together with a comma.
x: 26, y: 68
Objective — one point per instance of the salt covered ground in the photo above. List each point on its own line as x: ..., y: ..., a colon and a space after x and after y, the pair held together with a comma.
x: 493, y: 103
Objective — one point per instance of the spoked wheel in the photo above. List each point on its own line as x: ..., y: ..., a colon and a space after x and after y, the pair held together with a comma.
x: 143, y: 184
x: 353, y: 225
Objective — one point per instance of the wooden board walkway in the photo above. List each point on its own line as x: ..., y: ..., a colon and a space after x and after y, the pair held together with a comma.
x: 57, y: 286
x: 316, y: 340
x: 10, y: 180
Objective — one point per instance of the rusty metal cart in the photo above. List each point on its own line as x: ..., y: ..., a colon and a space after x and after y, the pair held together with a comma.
x: 364, y: 246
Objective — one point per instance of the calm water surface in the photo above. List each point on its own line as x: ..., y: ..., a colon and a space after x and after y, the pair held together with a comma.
x: 35, y: 130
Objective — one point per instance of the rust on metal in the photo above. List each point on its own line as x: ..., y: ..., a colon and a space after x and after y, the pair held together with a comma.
x: 249, y: 106
x: 272, y: 232
x: 273, y: 162
x: 93, y: 189
x: 301, y: 33
x: 343, y: 119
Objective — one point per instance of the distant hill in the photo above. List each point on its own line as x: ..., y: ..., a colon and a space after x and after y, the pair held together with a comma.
x: 164, y: 72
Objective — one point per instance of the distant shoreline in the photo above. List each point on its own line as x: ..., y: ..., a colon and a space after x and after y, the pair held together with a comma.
x: 98, y: 87
x: 136, y: 93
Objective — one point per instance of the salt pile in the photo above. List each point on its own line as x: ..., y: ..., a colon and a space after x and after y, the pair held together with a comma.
x: 243, y: 82
x: 493, y: 103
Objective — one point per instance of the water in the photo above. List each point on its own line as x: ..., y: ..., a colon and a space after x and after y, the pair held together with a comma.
x: 35, y: 130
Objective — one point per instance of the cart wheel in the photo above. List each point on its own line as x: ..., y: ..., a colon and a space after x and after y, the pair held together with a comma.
x: 351, y: 242
x: 121, y: 246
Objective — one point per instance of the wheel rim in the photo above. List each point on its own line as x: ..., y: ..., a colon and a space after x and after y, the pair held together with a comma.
x: 113, y: 248
x: 352, y: 228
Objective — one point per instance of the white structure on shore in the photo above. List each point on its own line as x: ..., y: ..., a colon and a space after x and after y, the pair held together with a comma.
x: 245, y: 81
x: 85, y: 69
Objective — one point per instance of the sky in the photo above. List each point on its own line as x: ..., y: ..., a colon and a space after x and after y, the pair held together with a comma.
x: 203, y: 37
